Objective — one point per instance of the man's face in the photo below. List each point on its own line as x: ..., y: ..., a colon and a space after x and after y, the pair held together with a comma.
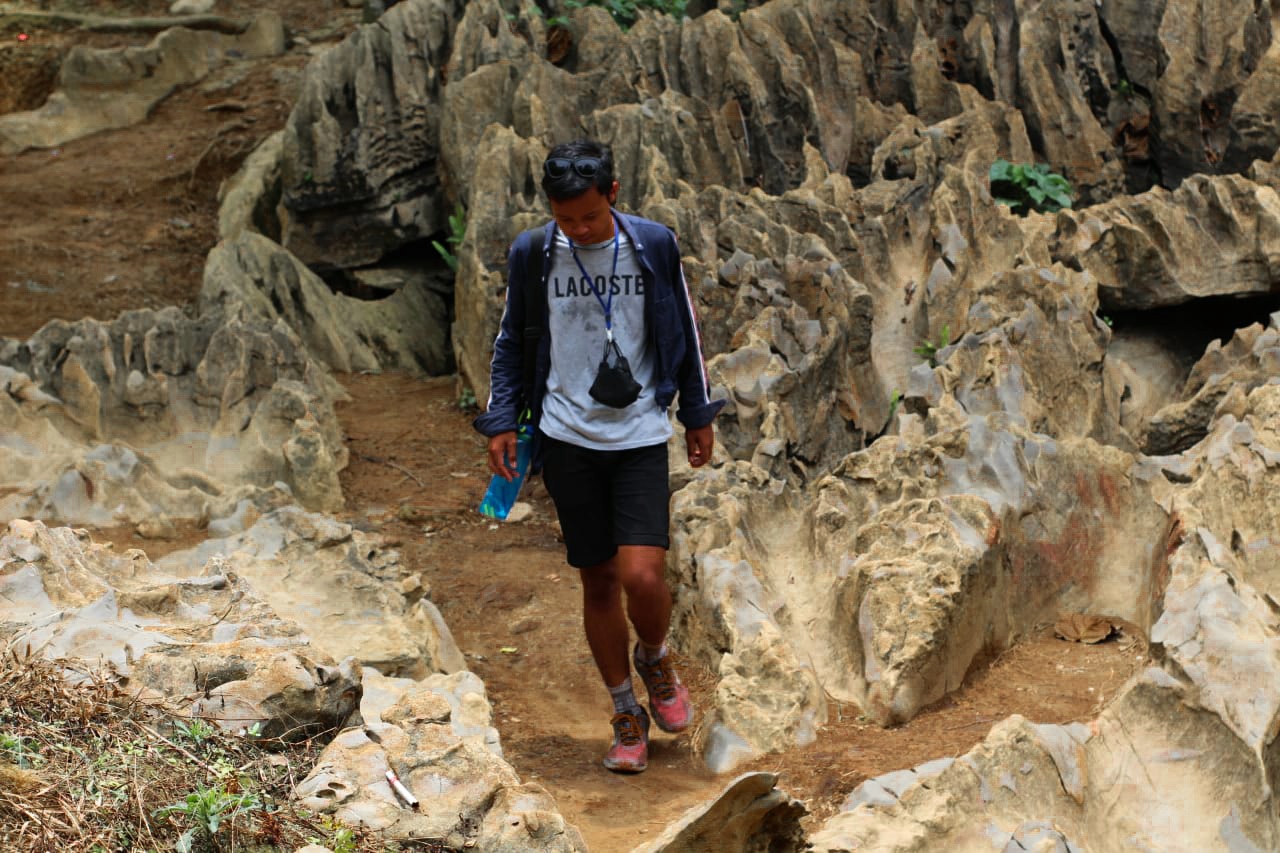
x: 588, y: 217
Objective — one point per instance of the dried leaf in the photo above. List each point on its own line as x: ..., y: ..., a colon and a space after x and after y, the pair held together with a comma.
x: 559, y: 43
x: 1083, y: 628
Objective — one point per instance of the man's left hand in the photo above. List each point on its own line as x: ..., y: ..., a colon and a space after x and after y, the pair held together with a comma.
x: 699, y: 441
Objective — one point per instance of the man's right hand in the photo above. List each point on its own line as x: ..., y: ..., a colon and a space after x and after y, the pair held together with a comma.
x: 502, y: 455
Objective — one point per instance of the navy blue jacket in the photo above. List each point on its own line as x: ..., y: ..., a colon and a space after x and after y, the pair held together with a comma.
x: 669, y: 315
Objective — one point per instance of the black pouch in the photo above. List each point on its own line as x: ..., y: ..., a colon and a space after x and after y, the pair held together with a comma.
x: 614, y: 385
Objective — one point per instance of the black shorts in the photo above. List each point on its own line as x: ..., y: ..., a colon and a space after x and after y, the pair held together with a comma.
x: 607, y: 498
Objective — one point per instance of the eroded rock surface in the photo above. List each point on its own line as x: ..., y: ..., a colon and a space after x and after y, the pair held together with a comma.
x: 206, y: 643
x: 407, y: 330
x: 751, y: 815
x: 104, y: 88
x: 1184, y: 758
x: 158, y: 415
x: 436, y: 737
x: 342, y: 586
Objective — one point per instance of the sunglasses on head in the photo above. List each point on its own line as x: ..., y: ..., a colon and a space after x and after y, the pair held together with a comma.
x: 558, y: 167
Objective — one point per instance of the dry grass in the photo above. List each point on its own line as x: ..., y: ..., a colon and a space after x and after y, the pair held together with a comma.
x: 84, y: 768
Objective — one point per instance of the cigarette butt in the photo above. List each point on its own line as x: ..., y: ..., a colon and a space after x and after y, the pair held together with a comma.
x: 401, y: 789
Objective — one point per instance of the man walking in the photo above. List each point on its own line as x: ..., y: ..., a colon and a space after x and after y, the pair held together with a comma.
x: 597, y: 339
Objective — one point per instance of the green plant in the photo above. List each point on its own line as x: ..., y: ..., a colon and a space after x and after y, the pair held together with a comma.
x: 1026, y: 187
x: 894, y: 402
x: 457, y: 230
x: 928, y: 350
x: 195, y: 730
x: 208, y: 809
x: 626, y: 12
x: 467, y: 399
x: 536, y: 11
x: 339, y: 837
x: 20, y: 750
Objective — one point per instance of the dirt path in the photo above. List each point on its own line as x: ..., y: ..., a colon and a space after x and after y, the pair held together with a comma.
x: 506, y: 587
x: 124, y: 219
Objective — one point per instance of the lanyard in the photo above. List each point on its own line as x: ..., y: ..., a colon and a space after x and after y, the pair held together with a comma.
x: 607, y: 306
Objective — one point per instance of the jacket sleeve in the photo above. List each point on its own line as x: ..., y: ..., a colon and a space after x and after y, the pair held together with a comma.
x: 696, y: 408
x: 506, y: 370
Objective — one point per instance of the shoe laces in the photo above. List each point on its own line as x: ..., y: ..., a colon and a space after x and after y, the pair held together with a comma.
x: 659, y: 679
x: 626, y: 728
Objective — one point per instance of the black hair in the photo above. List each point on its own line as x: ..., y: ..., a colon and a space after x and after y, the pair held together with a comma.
x: 571, y: 184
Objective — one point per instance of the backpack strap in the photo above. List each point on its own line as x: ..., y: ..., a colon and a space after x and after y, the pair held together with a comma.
x: 535, y: 300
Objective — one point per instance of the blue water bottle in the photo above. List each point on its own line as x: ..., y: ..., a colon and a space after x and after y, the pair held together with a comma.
x: 501, y: 494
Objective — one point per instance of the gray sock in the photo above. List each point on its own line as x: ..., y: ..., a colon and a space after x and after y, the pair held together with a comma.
x: 624, y: 699
x: 647, y: 654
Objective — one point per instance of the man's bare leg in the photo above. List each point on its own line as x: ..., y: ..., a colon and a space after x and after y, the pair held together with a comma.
x: 639, y: 570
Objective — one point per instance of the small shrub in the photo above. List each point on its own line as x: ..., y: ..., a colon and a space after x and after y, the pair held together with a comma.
x: 467, y: 400
x: 340, y: 838
x: 207, y: 809
x: 1026, y: 187
x: 535, y: 10
x: 894, y: 402
x: 626, y: 12
x: 928, y: 350
x: 195, y: 730
x: 19, y: 750
x: 457, y: 230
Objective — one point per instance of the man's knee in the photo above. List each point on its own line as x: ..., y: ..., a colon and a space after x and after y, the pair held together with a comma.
x: 642, y: 568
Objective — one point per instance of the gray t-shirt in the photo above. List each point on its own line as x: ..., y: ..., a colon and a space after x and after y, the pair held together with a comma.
x: 577, y: 343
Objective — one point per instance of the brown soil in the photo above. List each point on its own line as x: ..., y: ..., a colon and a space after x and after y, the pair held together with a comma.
x: 124, y: 219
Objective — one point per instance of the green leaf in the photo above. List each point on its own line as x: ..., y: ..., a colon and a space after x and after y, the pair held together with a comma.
x: 1062, y: 199
x: 449, y: 257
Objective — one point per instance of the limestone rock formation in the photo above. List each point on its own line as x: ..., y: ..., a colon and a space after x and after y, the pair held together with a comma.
x: 381, y: 177
x: 104, y: 88
x: 248, y: 199
x: 896, y: 571
x: 874, y: 238
x: 1217, y: 384
x: 435, y: 739
x: 407, y: 330
x: 340, y: 585
x: 206, y: 644
x: 750, y: 815
x: 158, y: 415
x: 1209, y: 237
x: 1184, y: 758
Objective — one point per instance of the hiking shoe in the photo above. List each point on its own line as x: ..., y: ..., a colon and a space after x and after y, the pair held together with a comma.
x: 668, y: 698
x: 630, y: 750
